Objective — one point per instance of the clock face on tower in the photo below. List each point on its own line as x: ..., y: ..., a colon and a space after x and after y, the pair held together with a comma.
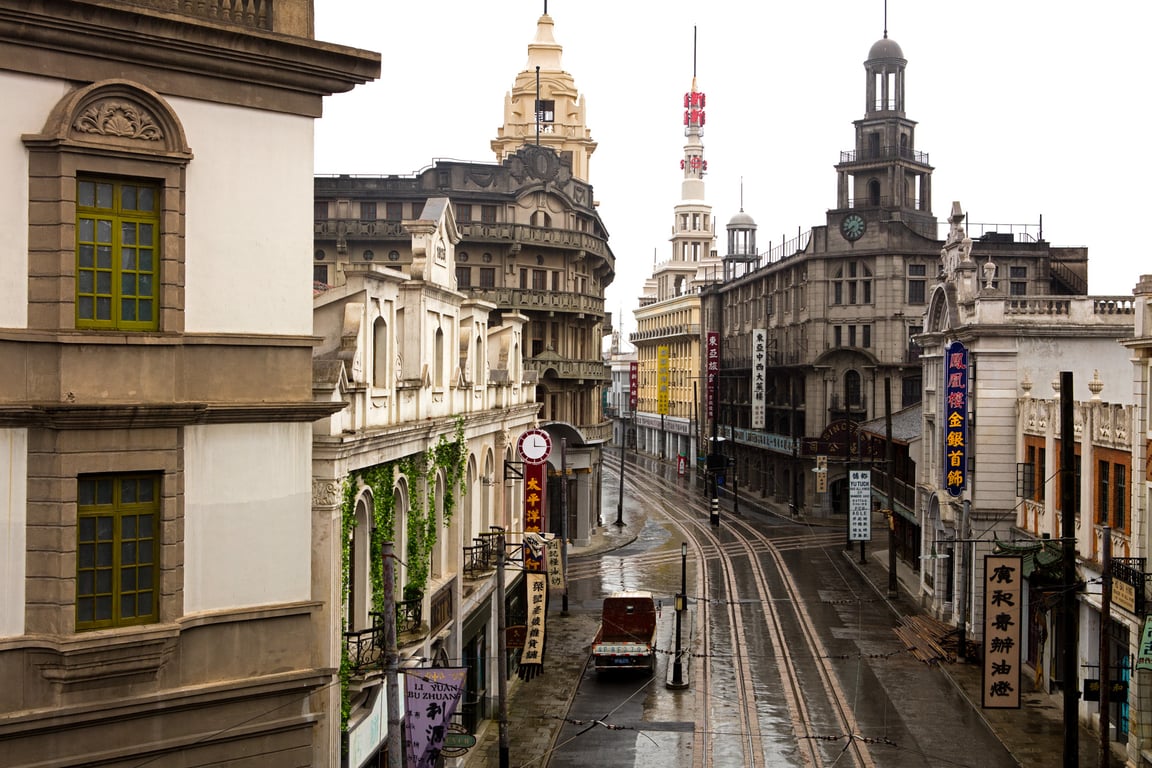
x: 534, y: 446
x: 852, y: 227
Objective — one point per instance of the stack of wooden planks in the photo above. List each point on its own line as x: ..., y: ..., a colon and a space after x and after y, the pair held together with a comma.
x: 929, y: 640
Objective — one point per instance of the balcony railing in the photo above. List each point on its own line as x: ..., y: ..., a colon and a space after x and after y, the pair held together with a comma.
x: 688, y: 329
x: 884, y: 153
x: 593, y: 370
x: 540, y: 300
x: 365, y: 648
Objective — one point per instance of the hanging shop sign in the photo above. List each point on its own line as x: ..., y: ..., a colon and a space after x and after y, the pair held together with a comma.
x: 1002, y: 582
x: 955, y: 418
x: 633, y: 385
x: 759, y: 375
x: 662, y: 357
x: 860, y: 505
x: 1144, y: 656
x: 713, y: 371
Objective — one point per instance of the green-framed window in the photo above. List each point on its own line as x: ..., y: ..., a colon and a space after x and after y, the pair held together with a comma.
x: 117, y: 254
x: 117, y: 557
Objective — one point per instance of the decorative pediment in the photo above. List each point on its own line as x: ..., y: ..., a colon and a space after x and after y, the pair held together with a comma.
x: 122, y: 119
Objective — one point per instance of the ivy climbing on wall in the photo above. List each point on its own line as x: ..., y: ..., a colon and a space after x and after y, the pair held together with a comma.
x: 448, y: 456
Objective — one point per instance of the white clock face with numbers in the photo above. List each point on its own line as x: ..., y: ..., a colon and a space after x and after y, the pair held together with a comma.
x: 534, y: 446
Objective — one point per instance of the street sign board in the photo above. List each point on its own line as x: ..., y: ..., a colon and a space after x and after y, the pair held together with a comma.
x: 860, y: 505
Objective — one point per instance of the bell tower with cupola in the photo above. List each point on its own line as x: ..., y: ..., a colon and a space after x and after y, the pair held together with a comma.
x: 884, y: 178
x: 544, y: 107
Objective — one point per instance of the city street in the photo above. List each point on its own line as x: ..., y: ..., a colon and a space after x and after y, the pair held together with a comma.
x: 793, y: 660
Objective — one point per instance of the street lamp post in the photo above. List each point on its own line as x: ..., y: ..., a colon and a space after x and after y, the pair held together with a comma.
x: 681, y: 606
x: 620, y: 499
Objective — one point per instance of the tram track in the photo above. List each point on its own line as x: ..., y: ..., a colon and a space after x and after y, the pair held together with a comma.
x: 763, y: 585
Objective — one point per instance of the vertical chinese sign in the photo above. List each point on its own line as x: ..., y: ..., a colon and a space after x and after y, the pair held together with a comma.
x: 759, y: 372
x: 712, y: 360
x: 955, y: 417
x: 633, y: 385
x: 662, y: 380
x: 431, y: 696
x: 860, y: 505
x: 533, y: 653
x: 1002, y: 590
x: 534, y: 476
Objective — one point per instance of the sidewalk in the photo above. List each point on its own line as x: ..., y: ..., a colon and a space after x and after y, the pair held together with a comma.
x: 536, y: 707
x: 1034, y: 734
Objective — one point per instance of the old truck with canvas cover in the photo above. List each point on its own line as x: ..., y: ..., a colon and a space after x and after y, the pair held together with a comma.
x: 627, y: 635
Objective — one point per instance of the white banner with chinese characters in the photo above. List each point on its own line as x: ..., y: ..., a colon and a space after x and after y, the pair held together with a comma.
x: 759, y: 375
x: 537, y: 586
x: 860, y: 505
x: 1003, y: 580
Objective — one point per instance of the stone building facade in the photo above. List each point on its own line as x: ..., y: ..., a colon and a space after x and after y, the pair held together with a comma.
x: 532, y: 244
x: 157, y: 600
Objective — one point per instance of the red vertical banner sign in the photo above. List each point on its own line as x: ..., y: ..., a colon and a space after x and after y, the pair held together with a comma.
x: 713, y: 370
x: 1003, y: 580
x: 534, y: 484
x: 633, y: 385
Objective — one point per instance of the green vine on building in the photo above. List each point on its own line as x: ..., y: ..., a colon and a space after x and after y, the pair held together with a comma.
x: 447, y: 456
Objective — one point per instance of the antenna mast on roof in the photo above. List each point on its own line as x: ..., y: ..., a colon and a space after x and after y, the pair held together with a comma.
x: 885, y: 16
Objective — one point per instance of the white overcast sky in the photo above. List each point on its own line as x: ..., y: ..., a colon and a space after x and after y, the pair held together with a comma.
x: 1027, y: 108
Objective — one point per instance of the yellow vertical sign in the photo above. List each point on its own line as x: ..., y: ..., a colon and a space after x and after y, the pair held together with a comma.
x: 662, y: 380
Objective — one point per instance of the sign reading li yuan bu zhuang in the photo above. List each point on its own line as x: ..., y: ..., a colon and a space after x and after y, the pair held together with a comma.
x: 955, y: 417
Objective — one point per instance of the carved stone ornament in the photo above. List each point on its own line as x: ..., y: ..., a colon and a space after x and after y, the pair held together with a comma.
x: 325, y: 493
x: 121, y: 119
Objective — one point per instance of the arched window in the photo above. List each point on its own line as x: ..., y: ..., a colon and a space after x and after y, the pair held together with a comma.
x: 853, y: 393
x: 381, y: 357
x: 438, y: 359
x: 478, y: 363
x: 874, y: 192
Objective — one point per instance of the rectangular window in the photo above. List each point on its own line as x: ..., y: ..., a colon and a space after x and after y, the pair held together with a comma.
x: 539, y: 280
x: 852, y: 292
x: 487, y: 277
x: 910, y: 390
x: 394, y: 211
x: 556, y: 281
x: 851, y: 335
x: 488, y: 214
x: 1103, y: 498
x: 463, y: 213
x: 917, y: 283
x: 463, y: 277
x: 367, y: 211
x: 524, y: 279
x: 837, y: 292
x: 866, y: 336
x: 417, y: 209
x: 320, y: 209
x: 320, y: 273
x: 117, y: 565
x: 117, y: 254
x: 1041, y: 477
x: 1018, y: 284
x: 1119, y: 501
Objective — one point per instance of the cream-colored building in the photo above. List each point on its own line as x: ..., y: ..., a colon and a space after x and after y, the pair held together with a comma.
x: 668, y: 337
x: 157, y: 596
x: 990, y: 467
x: 531, y: 244
x: 435, y: 398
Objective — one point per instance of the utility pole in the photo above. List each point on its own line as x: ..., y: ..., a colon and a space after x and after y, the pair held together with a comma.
x: 1068, y: 535
x: 392, y: 658
x: 888, y: 460
x: 564, y: 518
x: 1105, y: 647
x: 501, y: 649
x: 620, y: 498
